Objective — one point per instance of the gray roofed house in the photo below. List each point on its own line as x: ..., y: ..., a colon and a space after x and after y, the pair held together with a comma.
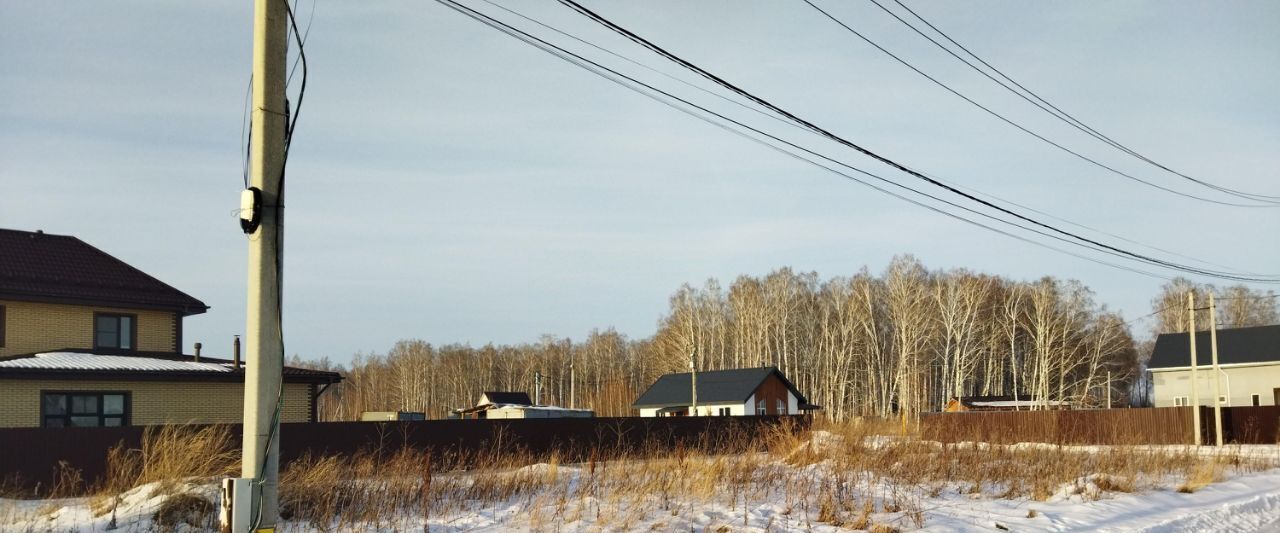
x: 735, y: 392
x: 1257, y: 344
x: 496, y: 404
x: 1248, y: 357
x: 514, y: 398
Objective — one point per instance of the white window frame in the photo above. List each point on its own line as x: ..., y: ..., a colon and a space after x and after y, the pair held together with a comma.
x: 761, y: 410
x: 782, y: 407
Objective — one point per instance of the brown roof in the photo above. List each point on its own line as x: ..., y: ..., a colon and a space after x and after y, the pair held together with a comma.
x: 123, y: 364
x: 63, y: 269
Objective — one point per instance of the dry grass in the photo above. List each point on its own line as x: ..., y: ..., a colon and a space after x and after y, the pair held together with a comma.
x: 856, y: 475
x: 862, y: 474
x: 169, y: 456
x: 1201, y: 475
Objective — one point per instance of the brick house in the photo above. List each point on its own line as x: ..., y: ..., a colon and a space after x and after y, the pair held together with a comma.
x: 88, y: 340
x: 735, y: 392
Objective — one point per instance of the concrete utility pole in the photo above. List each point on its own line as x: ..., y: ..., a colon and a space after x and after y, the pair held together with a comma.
x: 1195, y: 389
x: 1217, y: 372
x: 537, y: 387
x: 693, y: 381
x: 264, y: 346
x: 1108, y: 389
x: 572, y: 387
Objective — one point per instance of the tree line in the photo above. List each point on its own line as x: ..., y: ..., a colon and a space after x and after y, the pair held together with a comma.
x: 903, y: 341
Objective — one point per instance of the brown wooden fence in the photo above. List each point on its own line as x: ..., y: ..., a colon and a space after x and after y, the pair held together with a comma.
x: 29, y: 457
x: 1161, y: 425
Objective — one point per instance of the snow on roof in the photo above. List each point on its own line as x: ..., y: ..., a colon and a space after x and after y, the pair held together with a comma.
x: 89, y: 361
x: 1018, y: 403
x: 536, y: 407
x: 489, y: 406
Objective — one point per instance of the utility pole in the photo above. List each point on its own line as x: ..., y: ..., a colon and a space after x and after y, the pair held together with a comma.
x: 537, y: 387
x: 693, y: 381
x: 264, y: 345
x: 1217, y: 372
x: 1108, y: 389
x: 1195, y: 390
x: 572, y: 388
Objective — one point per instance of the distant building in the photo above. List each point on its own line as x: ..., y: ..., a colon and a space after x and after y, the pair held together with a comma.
x: 737, y: 392
x: 88, y: 340
x: 1249, y: 359
x: 515, y: 405
x: 511, y: 398
x: 391, y: 416
x: 1023, y: 402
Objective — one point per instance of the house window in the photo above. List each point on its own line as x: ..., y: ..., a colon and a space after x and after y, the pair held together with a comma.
x: 724, y: 411
x: 114, y: 331
x: 1257, y: 399
x: 1181, y: 401
x: 782, y: 407
x: 84, y: 409
x: 1222, y: 400
x: 760, y: 409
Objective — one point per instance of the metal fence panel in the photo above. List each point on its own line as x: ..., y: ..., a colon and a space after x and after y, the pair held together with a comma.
x: 29, y: 457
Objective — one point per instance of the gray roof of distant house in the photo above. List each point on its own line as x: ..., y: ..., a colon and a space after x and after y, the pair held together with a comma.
x: 1259, y: 344
x: 716, y: 386
x: 514, y: 398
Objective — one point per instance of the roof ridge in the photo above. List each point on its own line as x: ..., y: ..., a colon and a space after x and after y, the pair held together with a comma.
x: 133, y: 268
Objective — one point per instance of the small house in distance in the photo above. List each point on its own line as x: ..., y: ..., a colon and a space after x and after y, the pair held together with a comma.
x: 496, y: 405
x: 736, y: 392
x: 392, y: 416
x: 1249, y: 359
x: 1021, y: 402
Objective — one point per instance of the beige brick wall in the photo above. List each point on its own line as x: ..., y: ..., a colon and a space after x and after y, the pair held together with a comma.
x: 35, y: 327
x: 151, y: 402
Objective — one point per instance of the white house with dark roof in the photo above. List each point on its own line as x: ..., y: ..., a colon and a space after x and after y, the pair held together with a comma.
x: 736, y: 392
x: 493, y: 405
x: 1249, y: 359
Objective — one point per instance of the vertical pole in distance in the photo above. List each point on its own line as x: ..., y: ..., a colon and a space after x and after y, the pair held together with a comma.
x: 1109, y: 389
x: 693, y: 382
x: 1195, y: 389
x: 1217, y: 372
x: 264, y: 348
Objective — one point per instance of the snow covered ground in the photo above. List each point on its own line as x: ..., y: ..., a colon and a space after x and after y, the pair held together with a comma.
x: 1244, y: 501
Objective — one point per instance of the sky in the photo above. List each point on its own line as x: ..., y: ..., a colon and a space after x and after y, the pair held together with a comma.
x: 451, y: 184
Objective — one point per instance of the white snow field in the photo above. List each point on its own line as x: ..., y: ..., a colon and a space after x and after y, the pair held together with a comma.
x: 809, y: 496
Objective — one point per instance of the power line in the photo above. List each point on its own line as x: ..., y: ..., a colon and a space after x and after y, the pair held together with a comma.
x: 641, y: 65
x: 302, y: 41
x: 1054, y: 110
x: 617, y: 77
x: 776, y: 118
x: 1087, y: 227
x: 246, y: 124
x: 894, y: 164
x: 1022, y: 128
